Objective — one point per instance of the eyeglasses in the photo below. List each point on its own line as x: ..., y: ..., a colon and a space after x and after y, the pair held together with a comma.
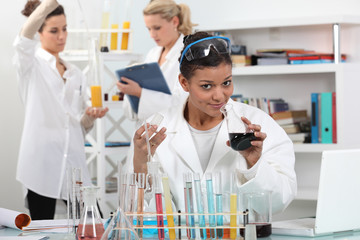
x: 202, y: 47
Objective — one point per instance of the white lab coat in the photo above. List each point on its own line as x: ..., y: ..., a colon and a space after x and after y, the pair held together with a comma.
x: 52, y: 137
x: 154, y: 101
x: 274, y: 171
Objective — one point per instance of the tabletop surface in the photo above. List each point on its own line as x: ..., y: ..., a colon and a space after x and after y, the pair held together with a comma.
x: 56, y: 236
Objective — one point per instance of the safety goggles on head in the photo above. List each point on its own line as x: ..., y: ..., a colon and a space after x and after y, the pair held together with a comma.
x: 201, y: 48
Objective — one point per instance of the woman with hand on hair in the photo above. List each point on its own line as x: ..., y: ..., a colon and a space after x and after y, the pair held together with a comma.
x: 56, y: 116
x: 167, y: 23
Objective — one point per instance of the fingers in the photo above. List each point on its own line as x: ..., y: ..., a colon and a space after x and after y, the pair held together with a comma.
x: 96, y: 112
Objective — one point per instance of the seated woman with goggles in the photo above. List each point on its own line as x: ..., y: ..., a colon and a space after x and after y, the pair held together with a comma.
x: 198, y: 139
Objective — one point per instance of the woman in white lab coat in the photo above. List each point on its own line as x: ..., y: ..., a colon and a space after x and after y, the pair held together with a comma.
x: 56, y: 116
x: 167, y: 23
x: 193, y: 137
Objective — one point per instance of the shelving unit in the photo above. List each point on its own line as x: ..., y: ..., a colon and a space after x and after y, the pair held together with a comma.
x: 294, y: 83
x: 99, y: 160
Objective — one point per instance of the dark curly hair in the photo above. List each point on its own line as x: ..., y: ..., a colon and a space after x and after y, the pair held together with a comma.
x: 31, y: 5
x: 214, y: 58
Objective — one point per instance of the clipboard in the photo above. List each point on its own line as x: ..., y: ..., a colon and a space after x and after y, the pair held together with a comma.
x: 147, y: 75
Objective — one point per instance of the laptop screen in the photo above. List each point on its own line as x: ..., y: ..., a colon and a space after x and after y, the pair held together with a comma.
x: 338, y: 206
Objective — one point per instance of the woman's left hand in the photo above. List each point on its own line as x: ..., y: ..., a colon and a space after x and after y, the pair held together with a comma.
x: 96, y: 112
x: 253, y: 153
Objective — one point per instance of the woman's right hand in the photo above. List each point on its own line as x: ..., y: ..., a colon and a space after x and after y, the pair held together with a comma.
x: 140, y: 146
x: 130, y: 87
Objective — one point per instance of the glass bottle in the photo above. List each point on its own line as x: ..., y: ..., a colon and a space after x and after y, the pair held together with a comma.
x: 90, y: 225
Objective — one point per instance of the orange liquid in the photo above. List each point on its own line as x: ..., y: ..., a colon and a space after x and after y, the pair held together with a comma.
x: 89, y: 234
x: 114, y: 37
x: 96, y: 99
x: 125, y: 36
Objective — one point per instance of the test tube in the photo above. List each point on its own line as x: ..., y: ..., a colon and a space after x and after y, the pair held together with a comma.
x: 189, y: 207
x: 219, y: 204
x: 168, y: 207
x: 140, y: 203
x: 159, y: 208
x: 233, y: 206
x: 211, y: 205
x: 200, y: 205
x: 132, y: 193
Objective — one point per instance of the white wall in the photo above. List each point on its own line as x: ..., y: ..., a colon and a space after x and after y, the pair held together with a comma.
x: 204, y: 13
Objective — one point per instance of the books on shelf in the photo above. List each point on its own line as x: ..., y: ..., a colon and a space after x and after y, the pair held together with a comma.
x: 301, y: 137
x: 323, y: 117
x: 290, y: 117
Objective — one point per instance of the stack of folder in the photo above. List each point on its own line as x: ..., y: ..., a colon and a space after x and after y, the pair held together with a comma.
x: 323, y: 117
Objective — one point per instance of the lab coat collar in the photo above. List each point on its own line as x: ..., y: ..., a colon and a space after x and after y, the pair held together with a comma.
x: 45, y: 55
x: 183, y: 143
x: 174, y: 51
x: 184, y: 146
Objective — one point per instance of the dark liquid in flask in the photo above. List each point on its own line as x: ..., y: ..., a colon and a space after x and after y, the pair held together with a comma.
x: 241, y: 141
x: 262, y: 230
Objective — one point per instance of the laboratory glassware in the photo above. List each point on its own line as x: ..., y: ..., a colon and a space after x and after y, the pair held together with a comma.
x: 131, y: 177
x: 233, y: 205
x: 258, y: 207
x: 239, y: 134
x: 159, y: 207
x: 140, y: 203
x: 90, y: 225
x: 211, y: 205
x: 189, y: 205
x: 219, y: 204
x: 168, y: 207
x: 200, y: 205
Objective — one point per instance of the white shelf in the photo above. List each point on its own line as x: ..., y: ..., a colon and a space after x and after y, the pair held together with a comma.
x: 314, y: 147
x: 112, y: 104
x: 82, y: 55
x: 288, y: 22
x: 108, y: 30
x: 287, y: 69
x: 307, y: 193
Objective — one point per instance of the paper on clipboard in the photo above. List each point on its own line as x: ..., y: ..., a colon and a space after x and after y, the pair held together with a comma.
x: 14, y: 219
x: 147, y: 75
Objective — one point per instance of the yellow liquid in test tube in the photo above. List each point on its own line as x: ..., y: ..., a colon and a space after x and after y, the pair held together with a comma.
x: 168, y: 208
x: 96, y: 99
x: 233, y: 209
x: 125, y: 36
x: 114, y: 37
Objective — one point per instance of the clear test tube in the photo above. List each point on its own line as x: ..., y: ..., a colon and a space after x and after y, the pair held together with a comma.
x: 200, y: 205
x: 211, y: 205
x: 189, y: 205
x: 233, y: 205
x: 219, y: 204
x: 159, y: 207
x: 131, y: 195
x: 140, y: 202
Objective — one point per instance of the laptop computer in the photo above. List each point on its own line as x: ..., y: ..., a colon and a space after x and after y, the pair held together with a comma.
x: 338, y: 203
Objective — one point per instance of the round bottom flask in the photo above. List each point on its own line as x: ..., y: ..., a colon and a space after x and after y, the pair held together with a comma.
x: 90, y: 225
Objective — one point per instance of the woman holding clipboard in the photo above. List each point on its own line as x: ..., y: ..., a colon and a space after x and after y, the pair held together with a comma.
x: 167, y: 23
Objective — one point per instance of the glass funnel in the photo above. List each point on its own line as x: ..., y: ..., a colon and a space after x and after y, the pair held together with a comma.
x: 90, y: 225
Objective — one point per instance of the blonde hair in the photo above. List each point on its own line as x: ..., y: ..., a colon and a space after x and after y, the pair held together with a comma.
x: 169, y: 9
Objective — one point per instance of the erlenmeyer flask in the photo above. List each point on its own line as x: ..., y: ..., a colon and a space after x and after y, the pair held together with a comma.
x: 239, y: 134
x: 90, y: 225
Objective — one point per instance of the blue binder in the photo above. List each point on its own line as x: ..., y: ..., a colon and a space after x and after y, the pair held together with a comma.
x: 314, y: 118
x: 326, y: 117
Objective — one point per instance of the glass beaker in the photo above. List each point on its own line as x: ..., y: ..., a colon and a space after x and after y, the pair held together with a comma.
x: 257, y: 205
x: 90, y: 225
x: 239, y: 134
